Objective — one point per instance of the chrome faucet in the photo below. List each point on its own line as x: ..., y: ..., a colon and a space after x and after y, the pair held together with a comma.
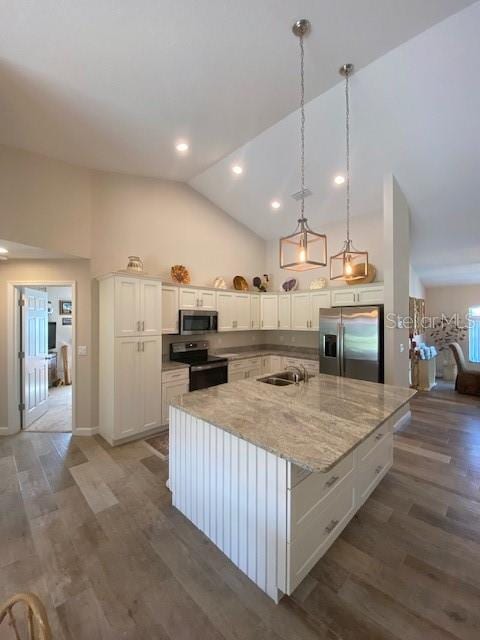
x: 298, y: 372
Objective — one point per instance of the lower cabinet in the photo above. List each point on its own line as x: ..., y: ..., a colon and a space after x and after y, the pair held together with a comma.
x: 243, y: 369
x: 174, y: 383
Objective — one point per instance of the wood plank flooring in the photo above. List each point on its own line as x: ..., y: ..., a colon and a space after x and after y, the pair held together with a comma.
x: 91, y: 529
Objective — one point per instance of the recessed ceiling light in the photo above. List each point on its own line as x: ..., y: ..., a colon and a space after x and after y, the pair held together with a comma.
x: 3, y: 250
x: 237, y: 169
x: 275, y: 204
x: 339, y: 180
x: 181, y: 146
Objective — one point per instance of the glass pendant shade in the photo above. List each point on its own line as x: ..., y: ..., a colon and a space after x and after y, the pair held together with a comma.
x: 349, y: 264
x: 303, y: 250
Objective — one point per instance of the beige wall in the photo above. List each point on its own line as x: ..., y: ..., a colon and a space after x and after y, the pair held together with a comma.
x: 451, y: 300
x: 397, y: 281
x: 45, y: 203
x: 167, y: 223
x: 40, y: 271
x: 367, y: 234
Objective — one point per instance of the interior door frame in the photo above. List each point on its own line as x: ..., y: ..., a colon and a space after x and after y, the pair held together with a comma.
x: 13, y: 342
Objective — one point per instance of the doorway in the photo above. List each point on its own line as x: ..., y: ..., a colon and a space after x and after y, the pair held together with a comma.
x: 44, y: 322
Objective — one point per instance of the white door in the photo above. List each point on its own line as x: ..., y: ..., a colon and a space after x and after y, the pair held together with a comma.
x: 127, y: 307
x: 226, y: 311
x: 151, y: 382
x: 128, y: 409
x: 319, y: 300
x: 169, y: 309
x: 284, y: 319
x: 35, y: 348
x: 255, y: 312
x: 300, y: 311
x: 269, y: 307
x: 242, y: 311
x: 188, y: 299
x: 207, y: 300
x: 151, y: 307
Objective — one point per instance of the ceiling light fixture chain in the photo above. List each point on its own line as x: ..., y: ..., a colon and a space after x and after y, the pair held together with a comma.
x: 347, y: 144
x: 302, y: 121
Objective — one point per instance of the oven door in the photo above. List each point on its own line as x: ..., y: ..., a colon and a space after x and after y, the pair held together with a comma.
x: 194, y: 322
x: 208, y: 375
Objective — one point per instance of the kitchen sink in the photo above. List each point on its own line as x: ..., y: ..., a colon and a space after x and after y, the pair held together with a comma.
x: 278, y: 382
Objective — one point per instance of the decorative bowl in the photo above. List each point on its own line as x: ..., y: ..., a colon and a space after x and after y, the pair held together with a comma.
x: 370, y: 277
x: 219, y: 283
x: 290, y: 285
x: 240, y: 283
x: 180, y: 274
x: 318, y: 283
x: 134, y: 264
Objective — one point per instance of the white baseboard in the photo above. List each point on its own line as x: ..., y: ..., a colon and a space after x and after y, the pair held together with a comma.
x: 86, y: 431
x: 4, y: 431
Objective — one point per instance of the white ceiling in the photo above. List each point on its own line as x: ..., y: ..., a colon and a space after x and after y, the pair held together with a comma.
x: 112, y: 85
x: 18, y: 251
x: 415, y: 112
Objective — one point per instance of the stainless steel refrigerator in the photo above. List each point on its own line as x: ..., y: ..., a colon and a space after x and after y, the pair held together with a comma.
x: 351, y: 342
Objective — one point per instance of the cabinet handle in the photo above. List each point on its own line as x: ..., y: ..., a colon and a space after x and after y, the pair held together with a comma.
x: 143, y: 325
x: 378, y: 469
x: 138, y: 346
x: 262, y: 324
x: 252, y: 324
x: 138, y: 326
x: 278, y: 324
x: 329, y: 528
x: 332, y: 481
x: 379, y: 436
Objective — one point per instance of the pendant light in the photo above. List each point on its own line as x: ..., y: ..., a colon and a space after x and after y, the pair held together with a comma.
x: 349, y: 264
x: 304, y: 249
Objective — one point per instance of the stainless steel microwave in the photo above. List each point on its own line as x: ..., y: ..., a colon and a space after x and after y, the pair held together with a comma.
x: 193, y: 321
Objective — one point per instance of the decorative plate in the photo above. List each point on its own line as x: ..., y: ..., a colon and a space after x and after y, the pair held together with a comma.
x: 180, y: 274
x: 370, y: 277
x: 219, y: 283
x: 318, y: 283
x: 240, y: 283
x: 290, y: 285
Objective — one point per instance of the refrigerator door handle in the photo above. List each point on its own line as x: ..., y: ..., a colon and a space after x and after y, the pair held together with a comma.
x: 340, y: 333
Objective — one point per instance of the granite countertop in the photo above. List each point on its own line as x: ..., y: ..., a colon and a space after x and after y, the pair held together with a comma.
x: 312, y: 424
x: 240, y: 353
x: 170, y: 365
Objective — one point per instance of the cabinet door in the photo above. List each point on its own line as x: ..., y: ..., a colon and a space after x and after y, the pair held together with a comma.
x: 226, y: 307
x: 170, y: 391
x: 242, y: 311
x: 255, y: 312
x: 276, y: 364
x: 150, y: 390
x: 318, y: 300
x: 370, y: 295
x: 128, y: 408
x: 343, y: 295
x: 208, y: 300
x: 300, y: 311
x: 233, y: 376
x: 151, y: 307
x: 188, y: 299
x: 127, y: 307
x: 169, y: 309
x: 284, y: 319
x: 269, y: 307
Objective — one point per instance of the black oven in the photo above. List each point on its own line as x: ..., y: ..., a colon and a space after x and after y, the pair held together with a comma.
x: 193, y: 321
x: 208, y: 375
x: 205, y: 370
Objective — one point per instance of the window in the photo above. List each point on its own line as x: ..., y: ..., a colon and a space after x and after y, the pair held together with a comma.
x: 474, y: 335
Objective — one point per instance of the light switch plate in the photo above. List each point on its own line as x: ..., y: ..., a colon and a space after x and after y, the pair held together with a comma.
x: 82, y: 350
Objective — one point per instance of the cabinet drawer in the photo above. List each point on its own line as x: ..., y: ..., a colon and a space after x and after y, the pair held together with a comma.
x: 310, y: 495
x: 171, y: 376
x: 374, y: 467
x: 313, y: 540
x: 236, y: 365
x: 374, y: 440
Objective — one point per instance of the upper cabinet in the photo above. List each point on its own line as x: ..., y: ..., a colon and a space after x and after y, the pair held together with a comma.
x: 269, y: 311
x: 170, y: 309
x: 190, y: 298
x: 318, y: 300
x: 242, y: 311
x: 284, y: 315
x: 301, y: 311
x: 234, y: 311
x: 255, y: 319
x: 357, y: 295
x: 138, y: 307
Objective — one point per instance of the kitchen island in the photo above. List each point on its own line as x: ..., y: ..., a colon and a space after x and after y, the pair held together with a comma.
x: 273, y: 474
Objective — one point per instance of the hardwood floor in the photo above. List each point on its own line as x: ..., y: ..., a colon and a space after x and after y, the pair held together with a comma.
x: 92, y: 531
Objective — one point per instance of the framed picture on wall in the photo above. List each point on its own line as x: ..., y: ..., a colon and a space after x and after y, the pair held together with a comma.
x: 66, y: 321
x: 65, y: 307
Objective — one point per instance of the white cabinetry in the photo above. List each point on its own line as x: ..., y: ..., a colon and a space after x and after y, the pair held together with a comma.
x: 318, y: 300
x: 242, y: 369
x: 130, y: 356
x: 255, y: 311
x: 191, y: 298
x: 269, y: 311
x: 272, y: 364
x: 174, y: 383
x: 300, y: 311
x: 284, y: 315
x: 169, y: 309
x: 357, y: 295
x: 233, y: 311
x: 242, y: 311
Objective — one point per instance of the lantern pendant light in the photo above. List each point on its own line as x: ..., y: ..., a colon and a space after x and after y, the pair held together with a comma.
x: 349, y: 264
x: 304, y: 249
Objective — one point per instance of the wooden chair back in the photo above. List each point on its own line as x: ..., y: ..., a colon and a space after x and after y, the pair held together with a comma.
x: 28, y: 622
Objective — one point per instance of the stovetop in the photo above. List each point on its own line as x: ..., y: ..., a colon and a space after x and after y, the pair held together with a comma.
x: 193, y: 353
